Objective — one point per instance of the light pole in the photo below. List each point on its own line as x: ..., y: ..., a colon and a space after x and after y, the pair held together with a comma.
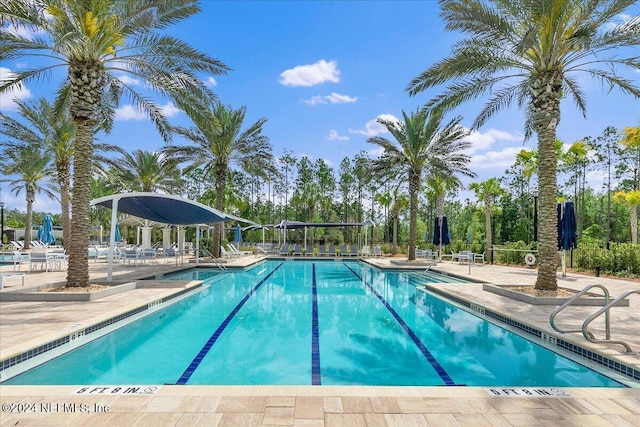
x: 1, y: 224
x: 535, y: 216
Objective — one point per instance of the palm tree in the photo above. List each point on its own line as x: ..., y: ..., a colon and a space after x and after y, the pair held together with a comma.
x: 219, y: 143
x: 488, y: 191
x: 527, y: 52
x: 92, y: 39
x: 148, y: 171
x: 53, y: 131
x: 424, y: 145
x: 31, y: 169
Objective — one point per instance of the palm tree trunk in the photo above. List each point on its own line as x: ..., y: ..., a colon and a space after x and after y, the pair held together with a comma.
x: 545, y: 91
x: 414, y: 187
x: 487, y: 226
x: 63, y: 180
x: 28, y: 225
x: 221, y: 183
x: 78, y: 269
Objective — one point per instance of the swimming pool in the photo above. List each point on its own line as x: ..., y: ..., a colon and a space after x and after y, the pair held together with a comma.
x: 313, y: 323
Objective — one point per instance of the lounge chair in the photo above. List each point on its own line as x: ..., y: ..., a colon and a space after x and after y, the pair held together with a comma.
x: 321, y: 250
x: 284, y: 249
x: 18, y: 245
x: 377, y: 251
x: 99, y: 252
x: 226, y: 253
x: 309, y: 250
x: 235, y: 250
x: 353, y: 250
x: 19, y: 259
x: 331, y: 251
x: 365, y: 251
x: 297, y: 250
x: 465, y: 256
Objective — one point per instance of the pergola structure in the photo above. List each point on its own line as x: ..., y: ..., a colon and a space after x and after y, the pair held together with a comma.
x: 161, y: 209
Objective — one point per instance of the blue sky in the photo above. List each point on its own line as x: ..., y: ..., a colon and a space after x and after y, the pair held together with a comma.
x: 322, y: 72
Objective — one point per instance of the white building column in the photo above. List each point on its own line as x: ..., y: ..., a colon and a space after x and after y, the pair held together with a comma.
x: 166, y: 238
x: 146, y: 237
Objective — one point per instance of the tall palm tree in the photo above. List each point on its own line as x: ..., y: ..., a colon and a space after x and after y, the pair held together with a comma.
x: 488, y: 192
x: 92, y: 39
x: 527, y: 52
x: 219, y: 143
x: 424, y: 145
x: 30, y: 167
x: 53, y: 131
x: 148, y: 171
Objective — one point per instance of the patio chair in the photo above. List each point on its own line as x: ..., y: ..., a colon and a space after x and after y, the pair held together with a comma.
x: 99, y: 252
x: 365, y: 251
x: 465, y: 256
x: 44, y: 259
x: 478, y: 257
x: 19, y: 259
x: 148, y: 254
x: 131, y: 255
x: 377, y: 251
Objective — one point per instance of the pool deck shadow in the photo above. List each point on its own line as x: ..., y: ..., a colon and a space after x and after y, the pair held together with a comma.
x: 25, y: 324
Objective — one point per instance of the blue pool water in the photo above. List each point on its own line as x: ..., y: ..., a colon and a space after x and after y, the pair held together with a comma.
x: 306, y: 323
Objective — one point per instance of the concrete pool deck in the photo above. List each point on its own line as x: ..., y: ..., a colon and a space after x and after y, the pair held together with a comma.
x: 23, y: 324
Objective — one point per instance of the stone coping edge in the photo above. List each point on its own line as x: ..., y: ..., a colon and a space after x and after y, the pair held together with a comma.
x: 592, y: 300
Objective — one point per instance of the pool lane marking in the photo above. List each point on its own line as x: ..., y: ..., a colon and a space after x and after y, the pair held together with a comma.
x: 427, y: 354
x: 212, y: 340
x: 315, y: 337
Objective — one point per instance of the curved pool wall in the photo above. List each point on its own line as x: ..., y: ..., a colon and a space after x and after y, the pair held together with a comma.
x: 314, y: 323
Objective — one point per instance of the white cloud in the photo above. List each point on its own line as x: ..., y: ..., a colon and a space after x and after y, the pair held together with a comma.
x: 334, y: 98
x: 170, y: 110
x: 211, y: 82
x: 484, y: 140
x: 334, y: 136
x: 129, y: 112
x: 129, y: 81
x: 495, y: 159
x: 7, y: 98
x: 311, y: 75
x: 373, y: 128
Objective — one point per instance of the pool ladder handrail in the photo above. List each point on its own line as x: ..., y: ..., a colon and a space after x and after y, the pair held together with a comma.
x: 572, y: 300
x: 589, y: 336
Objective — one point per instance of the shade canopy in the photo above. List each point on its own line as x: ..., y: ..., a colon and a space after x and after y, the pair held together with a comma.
x: 164, y: 208
x: 292, y: 225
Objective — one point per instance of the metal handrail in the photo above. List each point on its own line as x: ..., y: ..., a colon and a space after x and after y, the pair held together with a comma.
x: 575, y: 297
x: 590, y: 337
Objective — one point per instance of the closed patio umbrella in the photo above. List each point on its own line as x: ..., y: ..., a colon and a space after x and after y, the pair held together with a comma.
x: 440, y: 233
x: 567, y: 235
x: 118, y: 235
x: 47, y: 230
x: 238, y: 236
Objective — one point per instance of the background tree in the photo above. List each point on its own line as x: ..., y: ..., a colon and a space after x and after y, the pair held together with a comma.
x: 31, y: 168
x: 631, y: 199
x: 424, y: 146
x: 148, y: 171
x: 219, y: 142
x: 527, y: 52
x: 488, y: 193
x: 91, y: 39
